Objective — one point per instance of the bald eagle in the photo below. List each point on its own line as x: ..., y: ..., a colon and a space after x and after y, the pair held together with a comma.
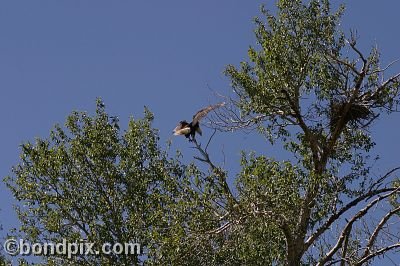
x: 189, y: 130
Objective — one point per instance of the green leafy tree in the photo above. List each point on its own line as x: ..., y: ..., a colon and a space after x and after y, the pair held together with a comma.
x: 307, y: 87
x: 90, y: 183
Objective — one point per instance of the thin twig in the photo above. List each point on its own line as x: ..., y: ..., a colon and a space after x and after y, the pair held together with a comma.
x: 209, y: 140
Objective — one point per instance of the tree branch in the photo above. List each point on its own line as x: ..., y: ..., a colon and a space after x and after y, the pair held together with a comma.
x: 222, y: 176
x: 383, y: 70
x: 337, y: 215
x: 377, y: 253
x: 209, y: 140
x: 352, y: 44
x: 381, y: 179
x: 347, y: 229
x: 345, y: 63
x: 378, y: 228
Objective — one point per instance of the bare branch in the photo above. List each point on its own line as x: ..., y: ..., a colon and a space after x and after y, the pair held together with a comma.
x: 344, y: 249
x: 220, y: 229
x: 209, y: 140
x: 344, y: 209
x: 378, y: 228
x: 388, y: 81
x: 200, y: 159
x: 386, y: 68
x: 227, y: 118
x: 352, y: 44
x: 347, y: 229
x: 381, y: 179
x: 343, y: 62
x: 377, y: 253
x: 221, y: 176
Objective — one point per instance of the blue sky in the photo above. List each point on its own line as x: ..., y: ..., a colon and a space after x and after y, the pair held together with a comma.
x: 58, y: 56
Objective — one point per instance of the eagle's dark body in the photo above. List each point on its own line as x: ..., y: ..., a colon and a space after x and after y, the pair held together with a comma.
x: 189, y: 130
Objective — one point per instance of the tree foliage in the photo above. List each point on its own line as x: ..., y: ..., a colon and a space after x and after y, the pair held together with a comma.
x: 3, y: 260
x: 307, y: 86
x: 310, y: 87
x: 89, y: 182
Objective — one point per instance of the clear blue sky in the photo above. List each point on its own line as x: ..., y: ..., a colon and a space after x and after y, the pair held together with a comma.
x: 58, y: 56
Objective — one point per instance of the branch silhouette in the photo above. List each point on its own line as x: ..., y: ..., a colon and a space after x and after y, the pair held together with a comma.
x: 205, y: 158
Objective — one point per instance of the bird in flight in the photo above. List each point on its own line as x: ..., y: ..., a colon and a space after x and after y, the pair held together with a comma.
x: 189, y: 130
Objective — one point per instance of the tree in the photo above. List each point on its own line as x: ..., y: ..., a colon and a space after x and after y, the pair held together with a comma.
x: 90, y: 183
x: 307, y: 87
x: 312, y: 89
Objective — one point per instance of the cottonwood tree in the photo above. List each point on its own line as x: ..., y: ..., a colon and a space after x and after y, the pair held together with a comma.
x: 91, y: 183
x: 307, y: 87
x: 88, y: 182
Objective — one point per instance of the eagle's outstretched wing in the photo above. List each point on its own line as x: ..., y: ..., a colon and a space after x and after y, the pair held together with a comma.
x: 203, y: 112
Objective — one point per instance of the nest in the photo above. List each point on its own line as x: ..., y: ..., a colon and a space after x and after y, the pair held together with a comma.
x: 358, y: 114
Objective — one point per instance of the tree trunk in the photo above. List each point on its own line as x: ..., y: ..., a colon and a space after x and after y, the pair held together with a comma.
x: 294, y: 253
